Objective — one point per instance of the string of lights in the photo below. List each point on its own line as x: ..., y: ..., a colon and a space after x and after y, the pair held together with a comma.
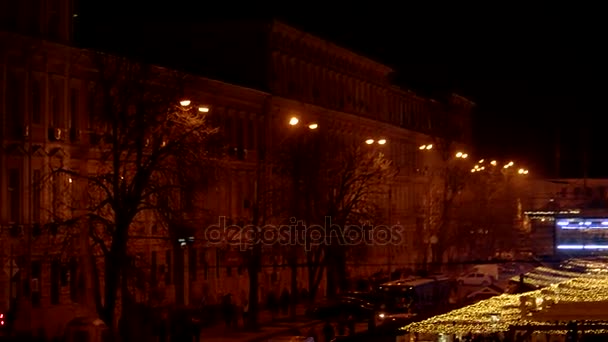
x: 499, y: 314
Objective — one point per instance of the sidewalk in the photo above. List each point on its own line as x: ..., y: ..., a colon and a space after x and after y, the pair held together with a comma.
x: 268, y: 328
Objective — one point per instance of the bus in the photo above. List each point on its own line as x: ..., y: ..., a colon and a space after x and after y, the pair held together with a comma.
x: 419, y: 296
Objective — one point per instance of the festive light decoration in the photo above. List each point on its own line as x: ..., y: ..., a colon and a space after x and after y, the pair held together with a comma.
x: 501, y: 313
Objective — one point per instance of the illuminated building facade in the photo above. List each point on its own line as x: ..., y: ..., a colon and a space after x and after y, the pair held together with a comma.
x: 578, y: 202
x: 44, y: 94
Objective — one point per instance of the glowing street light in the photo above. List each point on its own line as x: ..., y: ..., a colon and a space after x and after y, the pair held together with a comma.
x: 459, y: 155
x: 481, y: 161
x: 430, y: 146
x: 381, y: 141
x: 369, y: 141
x: 493, y: 162
x: 422, y: 147
x: 313, y: 126
x: 184, y: 103
x: 464, y: 156
x: 203, y: 109
x: 293, y: 121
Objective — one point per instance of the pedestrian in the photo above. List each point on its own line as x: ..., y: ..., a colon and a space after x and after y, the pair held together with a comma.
x: 271, y: 304
x: 342, y: 326
x: 162, y: 329
x: 351, y: 325
x: 328, y: 331
x: 312, y: 333
x: 245, y: 312
x: 227, y: 310
x: 285, y: 302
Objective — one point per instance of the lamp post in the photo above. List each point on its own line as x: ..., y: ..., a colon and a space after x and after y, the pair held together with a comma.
x: 184, y: 243
x: 451, y: 184
x: 375, y: 143
x: 296, y: 154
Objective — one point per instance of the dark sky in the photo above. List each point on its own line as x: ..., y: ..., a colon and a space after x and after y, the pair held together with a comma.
x: 535, y: 73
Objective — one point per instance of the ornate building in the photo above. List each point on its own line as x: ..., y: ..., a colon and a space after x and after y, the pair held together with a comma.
x: 283, y: 72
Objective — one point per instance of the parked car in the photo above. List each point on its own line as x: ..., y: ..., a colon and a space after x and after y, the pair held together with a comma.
x: 475, y: 279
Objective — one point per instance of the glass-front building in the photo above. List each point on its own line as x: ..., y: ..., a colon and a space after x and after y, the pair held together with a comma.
x: 587, y: 235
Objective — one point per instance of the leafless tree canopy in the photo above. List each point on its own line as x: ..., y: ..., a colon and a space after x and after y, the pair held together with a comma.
x: 144, y: 151
x: 340, y: 182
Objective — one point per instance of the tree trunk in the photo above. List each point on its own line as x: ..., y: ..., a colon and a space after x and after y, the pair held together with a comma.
x: 111, y: 282
x: 96, y: 287
x: 340, y: 268
x: 293, y: 262
x: 315, y: 273
x: 178, y: 273
x: 332, y: 283
x: 253, y: 269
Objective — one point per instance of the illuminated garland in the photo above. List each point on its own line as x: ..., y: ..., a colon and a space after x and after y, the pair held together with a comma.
x: 498, y: 314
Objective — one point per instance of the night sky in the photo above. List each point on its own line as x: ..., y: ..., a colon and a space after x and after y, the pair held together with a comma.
x: 538, y: 75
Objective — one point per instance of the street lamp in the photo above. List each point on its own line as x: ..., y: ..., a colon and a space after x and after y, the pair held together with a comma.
x: 426, y: 147
x: 294, y: 121
x: 187, y: 103
x: 381, y: 141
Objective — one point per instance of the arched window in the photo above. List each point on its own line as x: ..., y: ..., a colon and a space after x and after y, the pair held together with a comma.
x: 36, y: 102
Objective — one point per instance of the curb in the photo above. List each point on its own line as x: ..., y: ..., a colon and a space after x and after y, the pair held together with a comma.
x: 278, y: 333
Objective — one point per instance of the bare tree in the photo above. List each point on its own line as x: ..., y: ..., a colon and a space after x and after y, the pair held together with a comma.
x: 488, y: 212
x: 145, y: 149
x: 345, y: 191
x: 446, y: 184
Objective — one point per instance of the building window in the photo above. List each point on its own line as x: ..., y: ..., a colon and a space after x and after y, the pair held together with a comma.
x: 187, y: 200
x: 91, y: 106
x: 153, y: 266
x: 74, y: 276
x: 14, y: 105
x: 55, y: 281
x: 36, y: 282
x: 36, y: 196
x: 228, y: 134
x: 56, y: 104
x: 36, y: 102
x: 250, y: 134
x: 168, y: 267
x: 56, y: 194
x: 192, y: 266
x: 74, y: 110
x: 14, y: 195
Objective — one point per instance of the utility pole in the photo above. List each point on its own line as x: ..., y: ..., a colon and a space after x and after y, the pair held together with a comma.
x: 389, y: 247
x: 585, y: 152
x: 558, y: 150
